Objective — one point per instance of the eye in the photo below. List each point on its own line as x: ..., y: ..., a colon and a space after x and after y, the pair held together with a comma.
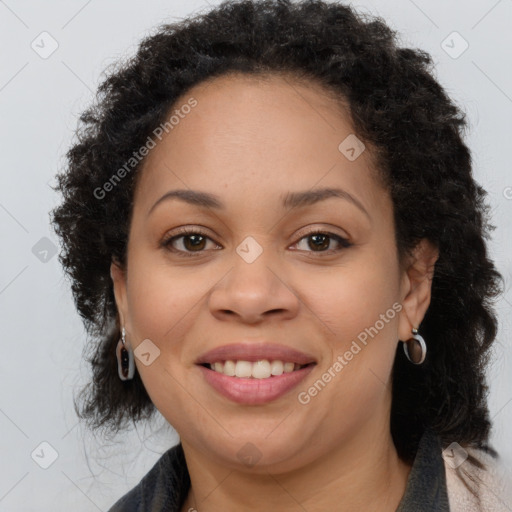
x: 321, y: 239
x: 193, y: 241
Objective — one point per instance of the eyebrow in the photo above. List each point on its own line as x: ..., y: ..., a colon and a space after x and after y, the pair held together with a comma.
x: 292, y: 199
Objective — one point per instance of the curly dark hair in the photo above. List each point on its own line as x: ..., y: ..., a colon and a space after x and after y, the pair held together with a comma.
x: 396, y: 106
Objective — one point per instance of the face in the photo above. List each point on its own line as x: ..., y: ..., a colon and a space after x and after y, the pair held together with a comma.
x: 253, y: 272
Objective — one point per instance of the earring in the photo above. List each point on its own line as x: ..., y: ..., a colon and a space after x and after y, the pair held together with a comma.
x: 125, y: 361
x: 415, y: 348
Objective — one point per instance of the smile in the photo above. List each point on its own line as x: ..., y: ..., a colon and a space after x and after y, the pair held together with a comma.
x: 253, y: 390
x: 262, y: 369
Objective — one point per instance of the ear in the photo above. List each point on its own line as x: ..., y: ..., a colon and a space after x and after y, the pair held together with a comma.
x: 416, y: 287
x: 118, y: 275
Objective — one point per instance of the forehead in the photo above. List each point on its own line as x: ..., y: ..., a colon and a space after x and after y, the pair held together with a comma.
x: 259, y: 136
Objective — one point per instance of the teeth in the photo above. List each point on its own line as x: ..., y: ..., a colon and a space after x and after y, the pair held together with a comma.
x: 258, y: 370
x: 229, y: 368
x: 288, y: 367
x: 276, y: 367
x: 243, y: 369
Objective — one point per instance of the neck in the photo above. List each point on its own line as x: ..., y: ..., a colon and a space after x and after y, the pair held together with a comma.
x: 364, y: 474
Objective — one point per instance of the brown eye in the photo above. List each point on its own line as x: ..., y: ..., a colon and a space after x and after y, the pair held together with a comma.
x: 191, y: 241
x: 319, y: 241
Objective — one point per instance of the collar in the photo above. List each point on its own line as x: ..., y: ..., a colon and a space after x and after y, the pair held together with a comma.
x: 426, y: 486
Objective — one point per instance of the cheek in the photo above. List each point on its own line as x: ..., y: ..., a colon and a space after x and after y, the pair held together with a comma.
x: 352, y: 299
x: 159, y: 302
x: 361, y: 307
x: 161, y: 309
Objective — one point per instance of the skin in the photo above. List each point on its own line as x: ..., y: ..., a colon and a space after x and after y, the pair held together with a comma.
x: 250, y: 142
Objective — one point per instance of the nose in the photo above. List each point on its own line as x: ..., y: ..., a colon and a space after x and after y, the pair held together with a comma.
x: 253, y: 292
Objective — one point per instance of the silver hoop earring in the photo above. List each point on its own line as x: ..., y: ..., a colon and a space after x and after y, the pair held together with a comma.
x: 125, y: 361
x: 415, y: 348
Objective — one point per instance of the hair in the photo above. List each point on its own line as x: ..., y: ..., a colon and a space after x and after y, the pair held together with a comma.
x: 396, y: 106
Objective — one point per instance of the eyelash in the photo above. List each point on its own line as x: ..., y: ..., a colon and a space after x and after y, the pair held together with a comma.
x: 167, y: 242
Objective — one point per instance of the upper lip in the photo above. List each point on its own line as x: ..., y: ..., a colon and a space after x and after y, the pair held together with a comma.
x: 255, y: 352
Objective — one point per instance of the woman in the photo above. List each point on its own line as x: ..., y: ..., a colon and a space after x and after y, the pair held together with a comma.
x: 276, y: 241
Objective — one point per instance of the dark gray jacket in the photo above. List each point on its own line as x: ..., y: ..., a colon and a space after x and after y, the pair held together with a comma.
x: 165, y: 487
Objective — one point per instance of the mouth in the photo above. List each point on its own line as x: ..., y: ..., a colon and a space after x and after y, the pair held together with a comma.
x: 254, y: 373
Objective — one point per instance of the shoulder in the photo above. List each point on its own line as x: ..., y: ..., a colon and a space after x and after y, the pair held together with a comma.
x: 162, y: 488
x: 492, y: 484
x: 130, y: 502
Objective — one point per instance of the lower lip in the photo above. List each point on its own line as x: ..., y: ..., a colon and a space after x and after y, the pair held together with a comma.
x: 254, y: 391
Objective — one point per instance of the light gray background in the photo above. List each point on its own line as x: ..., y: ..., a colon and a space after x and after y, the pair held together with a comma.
x: 41, y: 334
